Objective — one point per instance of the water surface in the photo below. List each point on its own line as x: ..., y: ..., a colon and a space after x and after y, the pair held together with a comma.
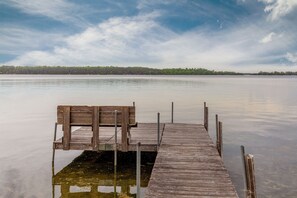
x: 259, y: 112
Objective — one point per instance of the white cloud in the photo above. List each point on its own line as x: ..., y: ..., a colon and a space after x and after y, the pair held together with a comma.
x: 18, y: 40
x: 60, y: 10
x: 292, y: 57
x: 279, y: 8
x: 142, y: 41
x: 268, y: 38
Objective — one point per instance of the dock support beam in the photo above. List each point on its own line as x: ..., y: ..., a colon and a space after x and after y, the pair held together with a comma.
x: 158, y: 125
x: 205, y: 116
x: 250, y: 181
x: 217, y: 131
x: 115, y: 137
x: 220, y: 139
x: 138, y: 166
x: 172, y: 108
x: 54, y: 149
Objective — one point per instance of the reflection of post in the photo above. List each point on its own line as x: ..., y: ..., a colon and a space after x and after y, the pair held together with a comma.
x: 138, y: 159
x: 65, y: 189
x: 53, y: 161
x: 53, y: 185
x: 94, y: 191
x: 115, y: 182
x: 125, y: 188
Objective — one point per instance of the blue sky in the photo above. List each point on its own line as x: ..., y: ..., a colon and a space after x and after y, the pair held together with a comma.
x: 239, y: 35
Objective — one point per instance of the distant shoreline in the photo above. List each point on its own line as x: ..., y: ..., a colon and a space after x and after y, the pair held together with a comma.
x: 112, y: 70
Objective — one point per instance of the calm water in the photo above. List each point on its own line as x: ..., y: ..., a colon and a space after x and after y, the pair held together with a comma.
x: 258, y: 112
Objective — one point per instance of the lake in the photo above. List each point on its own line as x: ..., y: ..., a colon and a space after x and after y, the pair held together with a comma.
x: 259, y: 112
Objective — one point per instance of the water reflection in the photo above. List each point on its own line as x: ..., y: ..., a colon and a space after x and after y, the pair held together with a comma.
x: 92, y: 174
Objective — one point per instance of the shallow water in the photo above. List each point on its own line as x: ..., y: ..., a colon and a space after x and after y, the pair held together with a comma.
x: 258, y: 112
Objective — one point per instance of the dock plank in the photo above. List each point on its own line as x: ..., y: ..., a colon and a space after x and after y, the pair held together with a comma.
x: 188, y: 165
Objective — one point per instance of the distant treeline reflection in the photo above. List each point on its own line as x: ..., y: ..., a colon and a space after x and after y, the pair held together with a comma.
x: 112, y: 70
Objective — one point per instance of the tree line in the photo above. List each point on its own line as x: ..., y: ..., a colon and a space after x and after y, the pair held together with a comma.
x: 112, y: 70
x: 108, y: 70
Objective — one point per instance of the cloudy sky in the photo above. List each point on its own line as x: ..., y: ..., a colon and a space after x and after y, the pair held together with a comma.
x: 239, y: 35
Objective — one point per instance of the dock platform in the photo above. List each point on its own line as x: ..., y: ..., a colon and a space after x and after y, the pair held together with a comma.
x: 146, y: 133
x: 188, y: 165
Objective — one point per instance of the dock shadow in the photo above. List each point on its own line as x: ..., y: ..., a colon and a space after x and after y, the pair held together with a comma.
x: 92, y: 174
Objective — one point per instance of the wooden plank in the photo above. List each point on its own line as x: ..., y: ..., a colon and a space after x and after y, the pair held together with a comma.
x: 125, y: 129
x: 95, y: 128
x: 82, y: 115
x: 188, y: 165
x: 66, y: 128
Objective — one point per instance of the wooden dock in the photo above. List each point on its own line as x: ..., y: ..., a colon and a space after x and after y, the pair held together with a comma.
x: 188, y: 165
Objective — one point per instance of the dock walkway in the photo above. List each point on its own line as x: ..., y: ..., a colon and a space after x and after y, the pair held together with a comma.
x: 188, y: 165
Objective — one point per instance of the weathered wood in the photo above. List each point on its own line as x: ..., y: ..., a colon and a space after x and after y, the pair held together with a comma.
x: 66, y: 128
x: 95, y: 128
x: 188, y: 165
x: 82, y: 115
x: 124, y: 126
x: 205, y: 116
x: 220, y: 139
x: 145, y: 133
x: 217, y: 132
x: 251, y: 182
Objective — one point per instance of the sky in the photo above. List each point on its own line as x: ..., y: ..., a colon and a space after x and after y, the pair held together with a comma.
x: 234, y: 35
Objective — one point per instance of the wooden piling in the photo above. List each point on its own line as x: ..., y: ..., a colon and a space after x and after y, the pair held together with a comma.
x: 66, y: 129
x: 217, y: 131
x: 158, y: 128
x: 115, y: 137
x: 205, y: 116
x: 251, y: 182
x: 220, y: 139
x: 244, y: 168
x: 172, y: 108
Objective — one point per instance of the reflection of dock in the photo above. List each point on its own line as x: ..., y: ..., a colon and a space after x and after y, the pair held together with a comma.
x: 188, y: 164
x: 92, y: 175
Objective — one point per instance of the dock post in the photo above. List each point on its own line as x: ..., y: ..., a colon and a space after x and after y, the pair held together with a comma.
x: 220, y: 146
x: 251, y: 181
x: 53, y: 161
x: 245, y: 169
x: 138, y: 166
x: 158, y: 125
x: 133, y: 104
x: 115, y: 137
x: 217, y: 131
x: 54, y: 149
x: 205, y: 116
x: 172, y: 107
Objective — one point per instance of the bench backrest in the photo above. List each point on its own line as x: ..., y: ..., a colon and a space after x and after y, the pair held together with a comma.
x: 84, y: 115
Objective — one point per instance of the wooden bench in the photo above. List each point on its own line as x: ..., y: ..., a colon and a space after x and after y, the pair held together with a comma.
x: 95, y: 116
